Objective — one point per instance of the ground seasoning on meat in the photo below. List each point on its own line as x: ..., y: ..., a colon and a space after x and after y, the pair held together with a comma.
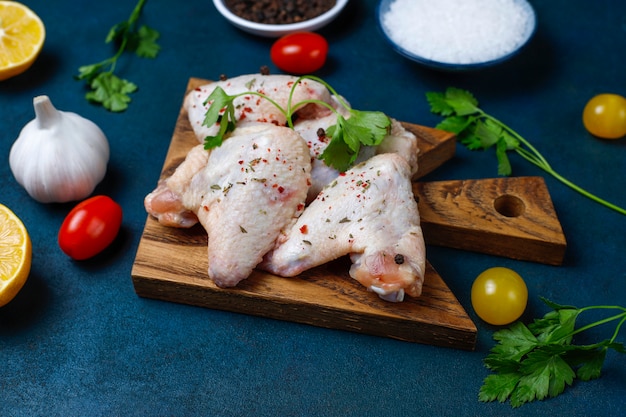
x: 279, y: 12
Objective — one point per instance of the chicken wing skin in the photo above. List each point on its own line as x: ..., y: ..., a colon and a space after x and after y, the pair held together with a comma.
x: 369, y: 213
x: 252, y: 108
x: 252, y: 187
x: 165, y: 202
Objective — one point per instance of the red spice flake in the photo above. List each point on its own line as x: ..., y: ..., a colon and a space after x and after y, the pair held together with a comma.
x: 342, y: 174
x: 240, y: 162
x: 300, y: 207
x: 304, y: 229
x: 281, y: 190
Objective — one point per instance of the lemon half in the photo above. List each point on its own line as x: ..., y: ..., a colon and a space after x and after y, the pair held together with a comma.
x: 15, y: 255
x: 22, y: 35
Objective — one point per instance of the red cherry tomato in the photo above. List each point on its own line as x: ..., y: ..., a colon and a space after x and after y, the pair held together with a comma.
x: 90, y: 227
x: 300, y: 53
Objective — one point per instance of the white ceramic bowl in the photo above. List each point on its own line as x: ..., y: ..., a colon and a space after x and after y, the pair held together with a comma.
x: 526, y: 35
x: 275, y: 31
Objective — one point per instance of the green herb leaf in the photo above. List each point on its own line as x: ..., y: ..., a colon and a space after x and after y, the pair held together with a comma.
x: 368, y: 127
x: 539, y: 361
x: 478, y: 130
x: 339, y: 153
x: 462, y: 102
x: 118, y: 32
x: 439, y: 104
x: 222, y: 111
x: 144, y: 44
x: 107, y: 88
x: 456, y: 124
x: 590, y: 362
x: 89, y: 72
x: 498, y: 387
x: 515, y: 342
x: 545, y: 374
x: 111, y: 91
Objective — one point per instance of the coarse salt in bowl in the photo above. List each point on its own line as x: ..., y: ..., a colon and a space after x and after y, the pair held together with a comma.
x: 457, y: 34
x: 277, y: 30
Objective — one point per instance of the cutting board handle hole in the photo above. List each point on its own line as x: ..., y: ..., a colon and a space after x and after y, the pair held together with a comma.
x: 509, y: 205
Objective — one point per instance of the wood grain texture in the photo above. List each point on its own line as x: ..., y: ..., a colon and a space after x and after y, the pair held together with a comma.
x: 511, y: 217
x: 171, y: 265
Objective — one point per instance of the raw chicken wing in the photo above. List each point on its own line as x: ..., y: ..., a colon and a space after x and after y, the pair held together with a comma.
x: 369, y: 212
x: 252, y: 187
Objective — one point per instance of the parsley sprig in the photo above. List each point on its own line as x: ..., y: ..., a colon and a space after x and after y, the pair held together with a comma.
x: 107, y: 89
x: 367, y: 128
x: 538, y: 361
x: 478, y: 130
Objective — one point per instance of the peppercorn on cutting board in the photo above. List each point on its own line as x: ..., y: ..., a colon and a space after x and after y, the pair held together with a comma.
x: 171, y: 264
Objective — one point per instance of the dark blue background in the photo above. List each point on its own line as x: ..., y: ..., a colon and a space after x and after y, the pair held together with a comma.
x: 78, y: 341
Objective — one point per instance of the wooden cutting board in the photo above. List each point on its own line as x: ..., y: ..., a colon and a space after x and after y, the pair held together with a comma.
x: 171, y: 264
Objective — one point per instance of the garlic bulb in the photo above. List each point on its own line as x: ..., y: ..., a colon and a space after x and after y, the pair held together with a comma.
x: 59, y: 156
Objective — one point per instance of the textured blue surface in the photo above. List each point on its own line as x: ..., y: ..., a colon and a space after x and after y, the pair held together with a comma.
x: 77, y: 341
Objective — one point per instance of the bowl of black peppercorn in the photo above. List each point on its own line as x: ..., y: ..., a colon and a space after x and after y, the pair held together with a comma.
x: 275, y: 18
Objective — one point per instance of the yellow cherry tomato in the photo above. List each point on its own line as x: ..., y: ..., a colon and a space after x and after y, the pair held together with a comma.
x: 499, y: 295
x: 604, y: 116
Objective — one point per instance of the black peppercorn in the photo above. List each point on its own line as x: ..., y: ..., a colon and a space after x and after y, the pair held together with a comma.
x: 279, y: 12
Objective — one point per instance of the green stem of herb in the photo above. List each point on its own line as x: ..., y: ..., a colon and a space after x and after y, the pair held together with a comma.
x: 119, y: 53
x: 329, y: 87
x: 617, y: 328
x: 282, y: 111
x: 619, y: 316
x: 287, y: 113
x: 536, y: 158
x: 134, y: 16
x: 319, y: 102
x: 290, y: 110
